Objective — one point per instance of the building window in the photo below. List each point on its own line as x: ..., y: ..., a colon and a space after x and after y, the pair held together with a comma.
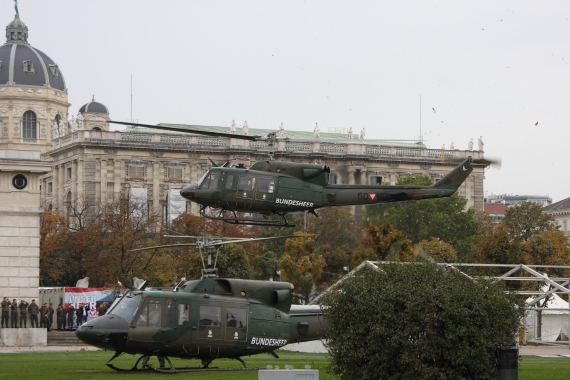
x: 136, y: 171
x: 28, y: 66
x: 68, y: 173
x: 174, y: 173
x: 29, y: 126
x: 49, y: 187
x: 54, y: 70
x: 565, y: 226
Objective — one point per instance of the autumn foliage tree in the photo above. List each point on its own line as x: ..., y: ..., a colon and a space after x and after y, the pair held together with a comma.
x: 301, y: 266
x: 439, y: 250
x: 383, y: 242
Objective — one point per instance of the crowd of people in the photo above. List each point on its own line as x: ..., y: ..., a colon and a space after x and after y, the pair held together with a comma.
x: 41, y: 316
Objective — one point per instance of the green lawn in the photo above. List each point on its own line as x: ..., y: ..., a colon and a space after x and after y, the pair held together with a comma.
x: 91, y: 365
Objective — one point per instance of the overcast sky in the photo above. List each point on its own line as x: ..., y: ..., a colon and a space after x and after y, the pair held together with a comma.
x: 490, y: 68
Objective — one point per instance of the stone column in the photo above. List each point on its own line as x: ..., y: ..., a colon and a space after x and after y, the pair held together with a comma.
x: 116, y: 180
x: 156, y: 187
x: 103, y: 181
x: 74, y: 192
x: 351, y: 173
x: 60, y: 185
x: 55, y: 186
x: 80, y: 191
x: 98, y: 199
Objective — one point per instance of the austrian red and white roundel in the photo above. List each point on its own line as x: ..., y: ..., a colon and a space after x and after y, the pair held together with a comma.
x: 372, y: 196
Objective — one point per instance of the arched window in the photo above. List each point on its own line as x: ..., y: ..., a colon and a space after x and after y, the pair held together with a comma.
x: 29, y: 126
x: 97, y: 129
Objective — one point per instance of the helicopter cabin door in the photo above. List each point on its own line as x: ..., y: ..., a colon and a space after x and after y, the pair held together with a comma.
x: 252, y: 189
x: 236, y: 323
x: 150, y: 323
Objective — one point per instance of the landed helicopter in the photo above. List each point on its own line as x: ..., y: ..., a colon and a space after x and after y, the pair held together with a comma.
x: 203, y: 319
x: 277, y: 188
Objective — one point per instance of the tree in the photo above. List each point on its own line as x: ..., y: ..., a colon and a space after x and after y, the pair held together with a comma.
x: 52, y: 231
x: 548, y: 248
x: 418, y: 321
x: 382, y: 243
x: 525, y: 219
x: 438, y: 250
x: 497, y: 247
x: 334, y: 226
x: 301, y: 266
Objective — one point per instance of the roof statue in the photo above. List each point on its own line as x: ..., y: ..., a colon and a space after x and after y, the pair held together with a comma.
x: 481, y: 144
x: 317, y: 131
x: 73, y: 124
x: 362, y: 133
x: 451, y: 146
x: 245, y: 128
x: 281, y: 130
x: 470, y: 145
x: 350, y: 135
x: 55, y: 128
x: 443, y: 147
x: 79, y: 120
x: 16, y: 6
x: 233, y: 127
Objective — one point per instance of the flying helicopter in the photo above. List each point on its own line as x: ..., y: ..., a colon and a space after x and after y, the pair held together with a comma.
x: 274, y: 187
x: 204, y: 319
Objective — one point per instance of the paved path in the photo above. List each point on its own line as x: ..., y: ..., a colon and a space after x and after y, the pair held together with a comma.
x: 7, y: 350
x: 544, y: 350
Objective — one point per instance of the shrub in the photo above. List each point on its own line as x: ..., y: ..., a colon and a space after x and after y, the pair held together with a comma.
x: 418, y: 321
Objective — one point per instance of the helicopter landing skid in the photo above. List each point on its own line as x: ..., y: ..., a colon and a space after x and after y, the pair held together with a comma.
x: 247, y: 221
x: 171, y: 369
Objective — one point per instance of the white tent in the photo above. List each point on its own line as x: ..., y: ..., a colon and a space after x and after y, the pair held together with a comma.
x: 555, y: 323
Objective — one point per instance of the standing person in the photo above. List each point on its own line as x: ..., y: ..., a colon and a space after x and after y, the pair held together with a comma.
x: 70, y: 313
x: 50, y: 316
x: 23, y: 313
x: 43, y: 319
x: 14, y: 314
x: 5, y: 311
x: 60, y: 313
x: 79, y: 314
x: 33, y: 309
x: 102, y: 309
x: 85, y: 311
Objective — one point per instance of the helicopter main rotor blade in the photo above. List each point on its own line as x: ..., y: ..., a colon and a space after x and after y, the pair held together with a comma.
x: 189, y: 129
x: 165, y: 246
x: 246, y: 240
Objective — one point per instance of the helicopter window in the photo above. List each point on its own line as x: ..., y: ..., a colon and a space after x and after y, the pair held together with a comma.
x: 202, y: 180
x: 236, y: 318
x: 183, y: 314
x: 246, y: 183
x: 212, y: 181
x: 127, y: 306
x: 210, y: 316
x: 266, y: 185
x: 229, y: 181
x: 151, y: 314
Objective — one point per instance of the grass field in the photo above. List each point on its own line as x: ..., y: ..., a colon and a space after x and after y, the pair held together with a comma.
x: 91, y: 365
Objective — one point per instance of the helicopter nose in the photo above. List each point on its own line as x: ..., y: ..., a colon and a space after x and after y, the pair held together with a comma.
x: 108, y: 332
x: 189, y: 191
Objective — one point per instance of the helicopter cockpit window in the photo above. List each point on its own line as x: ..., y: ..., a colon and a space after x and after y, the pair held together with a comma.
x: 229, y: 181
x: 127, y: 306
x: 211, y: 182
x: 183, y: 314
x: 210, y: 316
x: 202, y: 180
x: 151, y: 314
x: 236, y: 318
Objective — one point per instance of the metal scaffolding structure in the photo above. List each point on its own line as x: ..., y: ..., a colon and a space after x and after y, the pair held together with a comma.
x: 512, y: 272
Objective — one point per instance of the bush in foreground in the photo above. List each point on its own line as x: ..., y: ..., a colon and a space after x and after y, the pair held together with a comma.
x: 418, y: 321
